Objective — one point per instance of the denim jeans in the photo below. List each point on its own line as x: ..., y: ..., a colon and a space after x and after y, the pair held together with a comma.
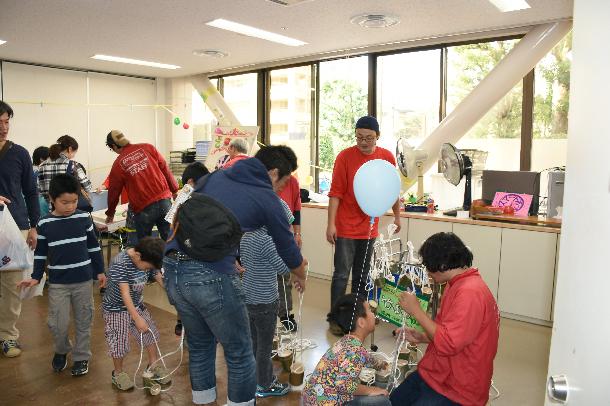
x: 369, y: 401
x: 349, y: 255
x: 415, y: 391
x: 263, y: 319
x: 211, y: 306
x: 151, y: 215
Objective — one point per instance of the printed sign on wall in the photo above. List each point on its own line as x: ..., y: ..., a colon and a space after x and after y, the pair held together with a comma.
x: 218, y: 153
x: 519, y: 201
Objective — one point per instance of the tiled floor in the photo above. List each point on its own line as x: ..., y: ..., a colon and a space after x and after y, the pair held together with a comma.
x: 520, y: 366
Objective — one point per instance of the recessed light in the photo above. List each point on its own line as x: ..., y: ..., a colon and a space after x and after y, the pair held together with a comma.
x: 254, y: 32
x: 510, y: 5
x: 134, y: 61
x: 375, y: 20
x: 2, y: 42
x: 214, y: 53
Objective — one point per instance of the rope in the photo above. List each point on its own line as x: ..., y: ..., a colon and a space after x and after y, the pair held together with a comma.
x: 368, y: 242
x: 161, y: 358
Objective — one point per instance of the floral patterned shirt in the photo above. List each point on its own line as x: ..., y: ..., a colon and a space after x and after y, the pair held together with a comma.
x: 335, y: 378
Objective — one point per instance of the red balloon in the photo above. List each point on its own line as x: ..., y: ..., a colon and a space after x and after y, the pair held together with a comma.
x: 185, y: 126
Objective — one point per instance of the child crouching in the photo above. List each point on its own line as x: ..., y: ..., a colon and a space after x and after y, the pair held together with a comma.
x: 124, y: 310
x: 335, y: 381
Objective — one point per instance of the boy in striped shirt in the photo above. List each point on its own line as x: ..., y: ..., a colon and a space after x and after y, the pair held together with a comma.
x: 259, y: 257
x: 67, y: 241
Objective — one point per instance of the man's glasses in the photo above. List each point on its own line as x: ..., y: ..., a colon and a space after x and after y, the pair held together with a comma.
x: 368, y: 138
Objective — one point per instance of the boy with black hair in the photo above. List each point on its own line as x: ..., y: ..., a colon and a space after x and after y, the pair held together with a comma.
x: 67, y: 241
x: 124, y: 310
x: 462, y: 339
x: 247, y: 190
x: 335, y: 381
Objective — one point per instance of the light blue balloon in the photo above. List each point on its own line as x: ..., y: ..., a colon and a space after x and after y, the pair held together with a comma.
x: 376, y: 187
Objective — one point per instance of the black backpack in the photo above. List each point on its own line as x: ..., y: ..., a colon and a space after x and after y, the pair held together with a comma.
x: 205, y: 229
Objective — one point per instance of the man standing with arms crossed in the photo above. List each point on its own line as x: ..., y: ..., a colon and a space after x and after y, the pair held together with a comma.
x: 348, y: 226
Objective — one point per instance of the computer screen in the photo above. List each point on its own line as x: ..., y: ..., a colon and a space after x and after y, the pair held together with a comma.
x: 514, y: 182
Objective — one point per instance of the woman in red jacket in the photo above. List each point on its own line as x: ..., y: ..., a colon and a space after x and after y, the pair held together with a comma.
x: 463, y: 339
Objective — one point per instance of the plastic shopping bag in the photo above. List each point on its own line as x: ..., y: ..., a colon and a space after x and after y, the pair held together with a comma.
x: 28, y: 293
x: 14, y: 252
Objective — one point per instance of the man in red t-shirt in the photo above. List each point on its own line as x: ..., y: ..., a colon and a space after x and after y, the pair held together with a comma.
x: 348, y: 226
x: 142, y: 170
x: 238, y: 150
x: 463, y: 339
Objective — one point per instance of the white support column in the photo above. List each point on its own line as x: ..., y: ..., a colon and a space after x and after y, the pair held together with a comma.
x: 509, y: 71
x: 214, y: 100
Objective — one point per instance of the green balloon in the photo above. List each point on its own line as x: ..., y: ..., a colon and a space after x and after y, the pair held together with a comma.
x: 177, y: 121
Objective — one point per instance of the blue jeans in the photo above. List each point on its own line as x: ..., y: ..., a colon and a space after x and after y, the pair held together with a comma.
x: 211, y: 306
x: 349, y: 256
x: 415, y: 391
x: 151, y: 215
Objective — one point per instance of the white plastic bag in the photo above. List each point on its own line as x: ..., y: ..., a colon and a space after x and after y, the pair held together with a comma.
x: 28, y: 293
x: 14, y: 252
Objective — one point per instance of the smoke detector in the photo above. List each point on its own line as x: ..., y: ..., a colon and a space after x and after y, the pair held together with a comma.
x: 212, y: 53
x: 375, y: 20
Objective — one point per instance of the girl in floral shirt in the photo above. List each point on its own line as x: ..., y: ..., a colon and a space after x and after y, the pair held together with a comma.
x: 335, y: 380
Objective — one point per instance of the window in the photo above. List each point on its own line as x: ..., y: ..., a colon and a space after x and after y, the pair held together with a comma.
x: 343, y: 99
x: 290, y: 120
x: 240, y: 93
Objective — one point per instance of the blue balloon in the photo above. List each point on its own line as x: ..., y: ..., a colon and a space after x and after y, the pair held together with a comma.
x: 376, y: 187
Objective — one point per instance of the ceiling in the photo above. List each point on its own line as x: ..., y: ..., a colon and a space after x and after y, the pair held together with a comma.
x: 68, y: 32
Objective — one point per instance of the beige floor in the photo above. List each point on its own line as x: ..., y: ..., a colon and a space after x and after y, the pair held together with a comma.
x: 519, y: 369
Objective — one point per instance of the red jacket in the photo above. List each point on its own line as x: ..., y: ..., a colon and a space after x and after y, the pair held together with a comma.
x: 142, y: 170
x: 351, y: 221
x: 459, y: 361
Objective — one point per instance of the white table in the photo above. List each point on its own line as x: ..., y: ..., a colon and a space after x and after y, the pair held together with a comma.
x: 119, y: 221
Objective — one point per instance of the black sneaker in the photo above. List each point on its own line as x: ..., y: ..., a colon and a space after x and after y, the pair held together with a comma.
x: 178, y: 328
x: 80, y: 368
x: 60, y: 362
x: 289, y: 323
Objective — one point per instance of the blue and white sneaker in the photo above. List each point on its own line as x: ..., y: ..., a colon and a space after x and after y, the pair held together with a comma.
x: 275, y: 389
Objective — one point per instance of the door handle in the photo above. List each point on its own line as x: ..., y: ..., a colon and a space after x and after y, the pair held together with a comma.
x: 557, y: 388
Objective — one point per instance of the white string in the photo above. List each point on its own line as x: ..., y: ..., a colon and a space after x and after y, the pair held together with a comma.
x: 496, y: 390
x: 368, y: 241
x: 180, y: 348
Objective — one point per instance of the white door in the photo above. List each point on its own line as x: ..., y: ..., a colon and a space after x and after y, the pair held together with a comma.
x: 581, y: 333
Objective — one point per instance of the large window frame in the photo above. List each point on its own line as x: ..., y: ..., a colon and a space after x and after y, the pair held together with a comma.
x: 263, y: 96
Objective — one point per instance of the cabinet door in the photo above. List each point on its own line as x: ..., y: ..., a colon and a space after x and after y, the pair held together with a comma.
x: 527, y: 272
x: 315, y: 248
x: 485, y: 244
x: 420, y: 230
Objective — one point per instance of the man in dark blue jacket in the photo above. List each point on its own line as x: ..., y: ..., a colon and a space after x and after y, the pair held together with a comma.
x: 208, y: 295
x: 16, y: 183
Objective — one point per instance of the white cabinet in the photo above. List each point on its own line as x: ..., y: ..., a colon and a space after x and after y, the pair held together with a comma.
x: 485, y: 243
x: 420, y: 230
x: 315, y: 248
x: 527, y: 272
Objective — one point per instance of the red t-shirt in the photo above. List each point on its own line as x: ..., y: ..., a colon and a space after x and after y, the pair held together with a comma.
x: 233, y: 160
x: 351, y: 221
x: 459, y: 361
x: 291, y: 194
x: 142, y: 170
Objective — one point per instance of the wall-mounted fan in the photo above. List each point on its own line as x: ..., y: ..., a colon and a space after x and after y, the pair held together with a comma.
x: 454, y: 166
x: 410, y: 163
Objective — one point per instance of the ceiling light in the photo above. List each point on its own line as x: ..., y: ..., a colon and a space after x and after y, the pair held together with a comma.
x: 214, y: 53
x: 134, y: 61
x: 510, y: 5
x: 2, y: 42
x: 254, y: 32
x: 375, y: 20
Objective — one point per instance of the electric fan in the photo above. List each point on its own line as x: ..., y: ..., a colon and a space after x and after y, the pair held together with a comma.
x: 410, y: 163
x: 454, y: 165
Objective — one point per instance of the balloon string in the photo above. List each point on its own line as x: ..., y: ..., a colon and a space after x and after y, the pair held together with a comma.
x: 368, y: 242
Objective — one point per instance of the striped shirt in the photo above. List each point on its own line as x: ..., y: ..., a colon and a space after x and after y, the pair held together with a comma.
x: 262, y: 262
x: 71, y: 248
x: 123, y: 270
x: 48, y: 169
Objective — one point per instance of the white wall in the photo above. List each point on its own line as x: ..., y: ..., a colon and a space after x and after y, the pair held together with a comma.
x: 49, y: 103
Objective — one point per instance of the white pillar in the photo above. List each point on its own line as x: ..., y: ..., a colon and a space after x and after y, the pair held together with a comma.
x: 214, y: 100
x: 507, y: 73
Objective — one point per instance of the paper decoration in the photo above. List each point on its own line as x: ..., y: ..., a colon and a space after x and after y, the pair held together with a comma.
x: 519, y: 201
x: 389, y: 306
x: 218, y: 152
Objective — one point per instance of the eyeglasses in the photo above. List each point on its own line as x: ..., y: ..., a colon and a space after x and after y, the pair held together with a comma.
x: 368, y: 138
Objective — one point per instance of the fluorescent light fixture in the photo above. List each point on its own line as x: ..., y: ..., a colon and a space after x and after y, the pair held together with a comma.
x: 510, y: 5
x: 134, y: 61
x: 254, y: 32
x: 2, y: 42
